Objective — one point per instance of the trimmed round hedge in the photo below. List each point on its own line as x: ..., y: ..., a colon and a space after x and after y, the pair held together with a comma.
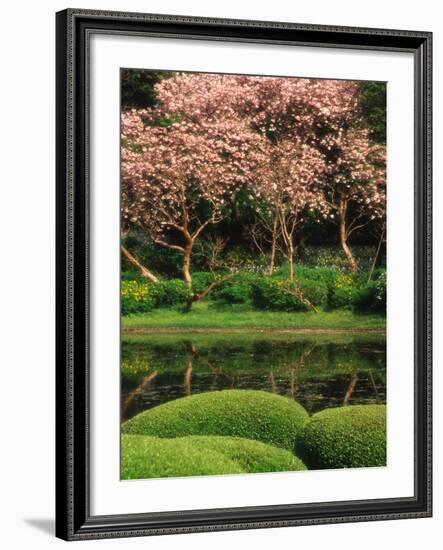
x: 145, y: 457
x: 250, y: 414
x: 344, y: 437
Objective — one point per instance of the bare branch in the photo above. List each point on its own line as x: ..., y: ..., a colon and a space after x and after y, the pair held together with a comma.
x: 212, y: 286
x: 168, y: 245
x: 133, y: 261
x: 212, y: 220
x: 350, y: 231
x: 255, y: 235
x: 299, y: 295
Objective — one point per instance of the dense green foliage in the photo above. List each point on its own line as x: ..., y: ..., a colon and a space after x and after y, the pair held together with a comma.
x: 136, y: 297
x: 137, y: 87
x: 167, y: 263
x: 242, y: 413
x: 170, y: 292
x: 355, y: 292
x: 282, y: 295
x: 324, y: 288
x: 344, y: 437
x: 234, y: 292
x: 140, y: 296
x: 144, y: 457
x: 322, y: 278
x: 201, y: 280
x: 372, y: 297
x: 237, y: 290
x: 372, y: 101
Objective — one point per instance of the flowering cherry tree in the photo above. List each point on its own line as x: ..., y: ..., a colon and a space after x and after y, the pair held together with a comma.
x: 355, y: 189
x: 291, y: 187
x: 296, y: 145
x: 177, y: 179
x: 306, y: 108
x: 302, y: 120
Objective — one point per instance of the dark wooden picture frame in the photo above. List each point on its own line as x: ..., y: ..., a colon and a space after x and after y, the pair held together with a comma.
x: 74, y: 520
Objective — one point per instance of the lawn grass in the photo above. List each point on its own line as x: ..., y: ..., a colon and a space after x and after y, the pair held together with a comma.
x: 205, y: 315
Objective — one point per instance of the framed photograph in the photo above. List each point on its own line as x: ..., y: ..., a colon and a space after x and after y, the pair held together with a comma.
x: 243, y: 274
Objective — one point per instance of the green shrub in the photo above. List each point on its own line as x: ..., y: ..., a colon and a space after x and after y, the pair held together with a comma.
x: 316, y: 291
x: 162, y: 261
x: 136, y: 297
x: 169, y: 293
x: 201, y: 280
x: 276, y: 295
x: 344, y: 298
x: 141, y: 296
x: 322, y: 287
x: 372, y: 297
x: 254, y: 456
x: 352, y: 291
x: 237, y: 290
x: 344, y: 437
x: 345, y: 290
x: 232, y: 293
x: 250, y: 414
x: 145, y: 457
x: 281, y: 295
x: 380, y: 284
x: 325, y: 275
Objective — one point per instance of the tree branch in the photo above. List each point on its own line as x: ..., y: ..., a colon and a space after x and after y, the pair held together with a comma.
x: 133, y: 261
x: 351, y: 230
x: 212, y: 286
x: 167, y: 245
x: 212, y: 219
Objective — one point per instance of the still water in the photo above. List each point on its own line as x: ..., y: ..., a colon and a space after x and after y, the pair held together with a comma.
x: 318, y: 370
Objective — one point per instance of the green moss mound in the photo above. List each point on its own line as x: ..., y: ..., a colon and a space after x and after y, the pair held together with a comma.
x: 147, y: 457
x: 250, y: 414
x: 344, y: 437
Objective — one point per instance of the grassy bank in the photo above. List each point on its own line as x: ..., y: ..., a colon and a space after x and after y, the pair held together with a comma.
x: 206, y: 316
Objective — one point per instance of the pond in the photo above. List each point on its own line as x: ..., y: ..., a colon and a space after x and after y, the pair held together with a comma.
x: 318, y: 370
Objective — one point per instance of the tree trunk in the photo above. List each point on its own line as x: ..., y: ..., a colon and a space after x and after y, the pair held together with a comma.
x: 288, y: 237
x: 134, y: 393
x: 273, y: 247
x: 134, y: 262
x: 349, y: 255
x: 377, y: 252
x: 299, y: 295
x: 187, y: 266
x: 187, y: 378
x: 195, y: 297
x: 350, y: 389
x: 290, y: 256
x: 293, y: 381
x: 273, y: 384
x: 344, y: 238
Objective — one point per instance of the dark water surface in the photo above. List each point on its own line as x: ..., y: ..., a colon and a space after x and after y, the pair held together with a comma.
x: 318, y: 370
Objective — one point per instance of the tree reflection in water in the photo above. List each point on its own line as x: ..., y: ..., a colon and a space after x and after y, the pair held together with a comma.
x: 318, y: 372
